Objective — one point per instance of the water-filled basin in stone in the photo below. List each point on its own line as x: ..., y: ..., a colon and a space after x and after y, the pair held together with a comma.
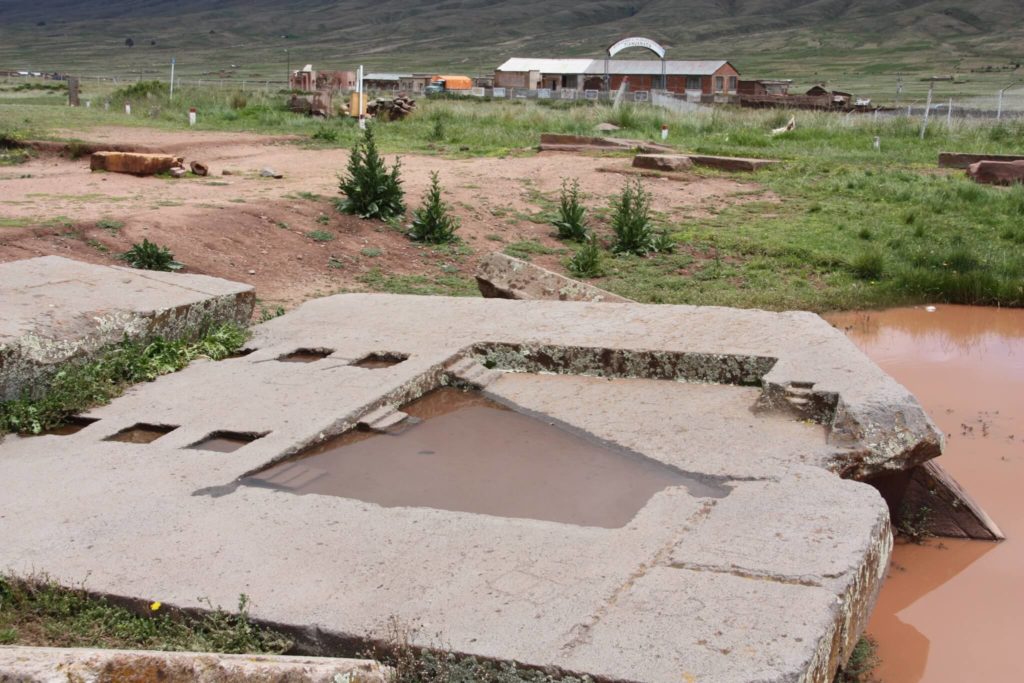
x: 464, y: 452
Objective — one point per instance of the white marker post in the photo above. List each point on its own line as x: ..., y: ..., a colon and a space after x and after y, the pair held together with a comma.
x: 664, y: 131
x: 192, y: 116
x: 359, y: 98
x: 172, y: 79
x: 128, y: 108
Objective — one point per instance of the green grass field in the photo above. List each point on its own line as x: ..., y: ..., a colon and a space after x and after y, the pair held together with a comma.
x: 838, y: 224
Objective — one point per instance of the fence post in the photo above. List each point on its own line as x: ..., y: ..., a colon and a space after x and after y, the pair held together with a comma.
x: 927, y: 109
x: 949, y: 114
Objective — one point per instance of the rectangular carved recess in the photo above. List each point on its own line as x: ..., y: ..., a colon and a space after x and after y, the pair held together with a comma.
x: 710, y: 368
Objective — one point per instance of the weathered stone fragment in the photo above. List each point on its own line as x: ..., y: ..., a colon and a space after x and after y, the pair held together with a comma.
x: 56, y: 310
x: 928, y: 497
x: 997, y: 172
x: 663, y: 162
x: 963, y: 160
x: 731, y: 163
x: 46, y: 665
x: 500, y: 276
x: 199, y: 168
x: 133, y: 162
x: 559, y: 142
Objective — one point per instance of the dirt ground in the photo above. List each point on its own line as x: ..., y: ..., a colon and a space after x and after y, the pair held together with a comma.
x: 253, y: 229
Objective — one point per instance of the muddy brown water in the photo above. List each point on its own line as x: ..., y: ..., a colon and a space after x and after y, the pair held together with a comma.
x: 466, y: 453
x: 142, y: 433
x: 951, y: 610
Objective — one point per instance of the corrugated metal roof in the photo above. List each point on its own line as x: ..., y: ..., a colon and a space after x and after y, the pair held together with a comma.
x: 385, y: 77
x: 622, y: 67
x: 673, y: 67
x: 547, y: 66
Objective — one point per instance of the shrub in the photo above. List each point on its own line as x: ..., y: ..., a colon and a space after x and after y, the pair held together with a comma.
x: 371, y: 191
x: 663, y: 243
x: 863, y: 660
x: 571, y: 222
x: 150, y: 256
x: 76, y: 387
x: 586, y: 262
x: 631, y: 220
x: 432, y: 223
x: 869, y: 264
x: 320, y: 235
x: 239, y: 100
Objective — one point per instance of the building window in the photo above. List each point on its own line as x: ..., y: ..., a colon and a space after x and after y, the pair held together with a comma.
x: 693, y: 83
x: 719, y: 84
x: 732, y: 84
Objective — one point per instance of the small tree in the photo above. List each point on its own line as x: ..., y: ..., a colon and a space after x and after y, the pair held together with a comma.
x: 631, y: 220
x: 371, y: 191
x: 571, y: 221
x: 432, y: 223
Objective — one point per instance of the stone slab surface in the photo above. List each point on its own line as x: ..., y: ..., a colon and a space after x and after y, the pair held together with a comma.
x: 559, y: 142
x: 663, y: 162
x: 53, y: 664
x: 731, y: 163
x: 134, y: 163
x: 667, y: 597
x: 506, y: 277
x: 963, y: 160
x: 997, y: 172
x: 54, y: 309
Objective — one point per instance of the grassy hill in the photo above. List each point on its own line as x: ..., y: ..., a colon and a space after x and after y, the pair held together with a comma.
x: 858, y: 40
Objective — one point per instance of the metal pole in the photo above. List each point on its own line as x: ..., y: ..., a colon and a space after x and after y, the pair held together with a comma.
x: 999, y: 107
x: 288, y: 79
x: 172, y: 79
x: 949, y: 113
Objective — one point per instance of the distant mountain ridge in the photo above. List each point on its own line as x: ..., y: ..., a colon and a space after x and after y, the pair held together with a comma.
x: 68, y: 34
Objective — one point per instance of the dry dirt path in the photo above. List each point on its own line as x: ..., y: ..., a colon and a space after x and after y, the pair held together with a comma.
x: 254, y: 230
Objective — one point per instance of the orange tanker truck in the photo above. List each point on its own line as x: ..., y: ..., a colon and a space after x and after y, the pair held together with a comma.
x: 449, y: 83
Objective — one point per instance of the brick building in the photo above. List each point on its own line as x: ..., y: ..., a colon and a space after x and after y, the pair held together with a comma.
x: 694, y: 78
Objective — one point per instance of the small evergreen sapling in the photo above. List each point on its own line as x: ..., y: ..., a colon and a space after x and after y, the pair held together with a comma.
x: 631, y: 221
x: 371, y: 191
x: 571, y: 221
x: 432, y: 223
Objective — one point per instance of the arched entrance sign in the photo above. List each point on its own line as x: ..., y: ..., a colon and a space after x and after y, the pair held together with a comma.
x: 626, y: 43
x: 636, y: 42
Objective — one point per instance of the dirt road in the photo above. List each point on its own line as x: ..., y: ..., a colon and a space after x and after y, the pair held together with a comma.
x: 253, y: 229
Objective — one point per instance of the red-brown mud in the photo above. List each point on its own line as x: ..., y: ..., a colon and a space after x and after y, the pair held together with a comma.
x: 470, y: 454
x: 953, y: 611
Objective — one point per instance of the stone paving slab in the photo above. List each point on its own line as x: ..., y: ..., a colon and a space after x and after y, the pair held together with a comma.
x: 56, y: 309
x: 53, y: 664
x: 722, y: 589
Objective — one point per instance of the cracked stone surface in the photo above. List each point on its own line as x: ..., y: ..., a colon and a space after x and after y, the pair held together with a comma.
x: 55, y: 310
x: 772, y: 582
x: 52, y: 664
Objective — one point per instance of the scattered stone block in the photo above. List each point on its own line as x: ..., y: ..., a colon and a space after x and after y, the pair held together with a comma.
x: 663, y: 162
x: 178, y: 172
x: 500, y: 276
x: 47, y: 664
x: 963, y: 160
x: 997, y: 172
x: 133, y: 163
x: 56, y: 310
x: 199, y: 168
x: 952, y: 511
x: 559, y: 142
x: 267, y: 172
x: 731, y: 163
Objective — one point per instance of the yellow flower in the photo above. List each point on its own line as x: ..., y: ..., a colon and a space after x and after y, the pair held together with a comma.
x: 154, y: 606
